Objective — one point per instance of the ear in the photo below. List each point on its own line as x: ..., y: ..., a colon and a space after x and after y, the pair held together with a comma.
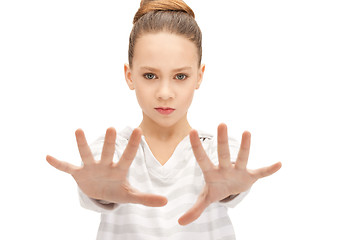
x: 128, y: 76
x: 200, y: 76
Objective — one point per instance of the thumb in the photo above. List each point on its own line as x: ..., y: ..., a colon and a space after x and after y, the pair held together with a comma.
x: 148, y: 199
x: 194, y: 212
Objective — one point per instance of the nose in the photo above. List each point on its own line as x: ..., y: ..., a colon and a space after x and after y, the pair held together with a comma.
x: 165, y: 90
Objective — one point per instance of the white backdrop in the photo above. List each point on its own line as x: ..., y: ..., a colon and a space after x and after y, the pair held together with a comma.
x: 279, y: 69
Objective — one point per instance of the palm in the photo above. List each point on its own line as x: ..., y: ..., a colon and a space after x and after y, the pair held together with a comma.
x: 226, y: 178
x: 222, y: 182
x: 104, y: 179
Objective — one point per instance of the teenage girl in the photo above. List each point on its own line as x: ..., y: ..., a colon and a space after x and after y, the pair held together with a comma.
x: 164, y: 179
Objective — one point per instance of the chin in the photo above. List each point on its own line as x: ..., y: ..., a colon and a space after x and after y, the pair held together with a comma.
x: 165, y: 123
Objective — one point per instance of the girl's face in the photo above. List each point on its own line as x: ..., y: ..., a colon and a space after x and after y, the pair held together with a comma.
x: 165, y: 74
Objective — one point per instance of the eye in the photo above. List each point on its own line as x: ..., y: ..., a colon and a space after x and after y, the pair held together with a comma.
x: 149, y: 76
x: 181, y: 76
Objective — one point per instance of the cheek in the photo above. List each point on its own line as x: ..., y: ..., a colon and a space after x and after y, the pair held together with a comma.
x: 142, y: 96
x: 187, y: 96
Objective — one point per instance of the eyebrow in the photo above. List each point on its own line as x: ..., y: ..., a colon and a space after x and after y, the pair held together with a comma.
x: 176, y: 70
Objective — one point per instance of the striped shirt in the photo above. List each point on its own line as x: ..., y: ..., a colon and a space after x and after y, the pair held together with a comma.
x: 180, y: 179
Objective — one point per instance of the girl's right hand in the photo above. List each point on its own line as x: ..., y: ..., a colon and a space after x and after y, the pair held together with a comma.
x: 104, y: 179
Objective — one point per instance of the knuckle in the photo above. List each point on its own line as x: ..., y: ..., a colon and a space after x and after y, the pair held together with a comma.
x: 201, y: 158
x: 225, y: 155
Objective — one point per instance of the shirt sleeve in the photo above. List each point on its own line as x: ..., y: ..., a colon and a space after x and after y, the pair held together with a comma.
x: 94, y: 204
x: 233, y: 200
x: 90, y: 203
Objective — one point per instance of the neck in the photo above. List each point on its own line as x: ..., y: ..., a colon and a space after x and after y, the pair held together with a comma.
x: 155, y: 131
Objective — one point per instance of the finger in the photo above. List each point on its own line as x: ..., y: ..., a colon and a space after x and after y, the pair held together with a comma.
x: 223, y: 147
x: 199, y: 152
x: 60, y: 165
x: 84, y: 149
x: 243, y: 155
x: 131, y: 150
x: 149, y: 200
x: 108, y: 149
x: 267, y: 171
x: 194, y: 212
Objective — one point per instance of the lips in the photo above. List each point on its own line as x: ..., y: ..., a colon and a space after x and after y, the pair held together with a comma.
x: 165, y: 110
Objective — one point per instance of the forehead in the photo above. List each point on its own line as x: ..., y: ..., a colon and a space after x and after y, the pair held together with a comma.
x: 164, y: 49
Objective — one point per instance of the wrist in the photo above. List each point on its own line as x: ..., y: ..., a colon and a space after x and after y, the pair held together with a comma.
x: 229, y: 198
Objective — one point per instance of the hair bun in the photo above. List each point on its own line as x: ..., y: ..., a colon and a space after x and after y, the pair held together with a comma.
x: 162, y: 5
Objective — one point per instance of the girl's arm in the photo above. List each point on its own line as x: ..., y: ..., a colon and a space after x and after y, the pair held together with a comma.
x: 226, y: 178
x: 104, y: 179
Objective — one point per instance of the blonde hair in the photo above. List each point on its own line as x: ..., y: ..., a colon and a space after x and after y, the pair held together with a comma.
x: 173, y: 16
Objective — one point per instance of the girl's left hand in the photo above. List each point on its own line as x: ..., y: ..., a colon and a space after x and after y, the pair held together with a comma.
x: 227, y: 178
